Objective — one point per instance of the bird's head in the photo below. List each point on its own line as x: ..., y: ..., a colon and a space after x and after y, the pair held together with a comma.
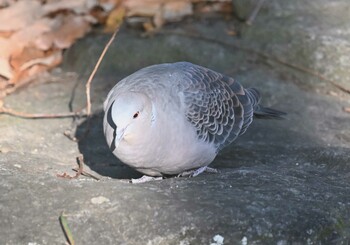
x: 130, y: 115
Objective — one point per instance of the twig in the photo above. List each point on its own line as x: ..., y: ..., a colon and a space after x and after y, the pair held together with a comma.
x: 11, y: 112
x: 80, y: 161
x: 84, y: 173
x: 88, y: 83
x: 69, y: 135
x: 260, y: 54
x: 66, y: 231
x: 313, y: 73
x: 255, y: 12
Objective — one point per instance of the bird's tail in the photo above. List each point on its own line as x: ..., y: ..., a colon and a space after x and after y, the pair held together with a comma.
x: 260, y: 111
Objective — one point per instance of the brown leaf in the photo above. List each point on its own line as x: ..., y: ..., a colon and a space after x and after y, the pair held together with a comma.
x: 6, y: 48
x: 19, y: 15
x: 51, y: 60
x: 63, y: 36
x: 5, y: 68
x: 24, y: 55
x: 31, y: 34
x: 6, y: 34
x: 33, y: 68
x: 76, y: 6
x: 115, y: 18
x: 148, y: 26
x: 176, y: 10
x: 142, y: 8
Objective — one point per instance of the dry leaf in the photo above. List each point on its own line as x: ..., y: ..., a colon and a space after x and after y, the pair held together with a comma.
x: 6, y: 34
x: 6, y: 3
x: 63, y: 36
x: 147, y: 8
x: 19, y: 15
x: 176, y: 10
x: 76, y: 6
x: 32, y: 33
x: 6, y: 48
x: 49, y: 61
x: 158, y: 20
x: 73, y: 27
x: 5, y: 68
x: 26, y: 54
x: 36, y: 67
x: 115, y: 18
x: 148, y: 26
x: 108, y: 6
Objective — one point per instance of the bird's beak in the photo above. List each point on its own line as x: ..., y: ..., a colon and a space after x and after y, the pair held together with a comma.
x: 118, y: 135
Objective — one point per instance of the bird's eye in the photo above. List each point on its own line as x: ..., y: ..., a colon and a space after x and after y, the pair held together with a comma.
x: 136, y: 115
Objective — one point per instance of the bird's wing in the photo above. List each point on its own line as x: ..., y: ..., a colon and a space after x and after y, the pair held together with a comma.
x: 218, y: 107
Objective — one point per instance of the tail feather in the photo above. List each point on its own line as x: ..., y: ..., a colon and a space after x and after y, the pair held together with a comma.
x: 262, y: 112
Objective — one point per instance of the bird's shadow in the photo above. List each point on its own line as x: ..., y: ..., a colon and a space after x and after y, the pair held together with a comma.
x: 96, y: 152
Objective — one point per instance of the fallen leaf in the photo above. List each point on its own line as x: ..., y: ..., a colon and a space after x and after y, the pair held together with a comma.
x: 212, y: 6
x: 6, y: 34
x: 49, y: 61
x: 6, y: 3
x: 5, y: 68
x: 6, y: 48
x: 148, y: 27
x: 76, y: 6
x: 62, y: 37
x: 108, y: 5
x: 142, y: 8
x: 30, y: 69
x: 115, y: 19
x: 176, y: 10
x: 66, y: 230
x: 19, y: 15
x: 31, y: 34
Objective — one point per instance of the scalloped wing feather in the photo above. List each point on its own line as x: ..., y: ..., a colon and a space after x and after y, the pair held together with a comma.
x: 218, y: 106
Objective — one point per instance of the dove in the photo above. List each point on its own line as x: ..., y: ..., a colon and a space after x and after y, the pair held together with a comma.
x: 174, y: 118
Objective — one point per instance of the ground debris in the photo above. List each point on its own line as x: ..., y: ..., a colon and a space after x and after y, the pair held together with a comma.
x: 33, y: 34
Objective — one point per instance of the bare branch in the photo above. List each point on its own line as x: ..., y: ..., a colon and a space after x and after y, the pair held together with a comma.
x: 88, y: 83
x: 11, y: 112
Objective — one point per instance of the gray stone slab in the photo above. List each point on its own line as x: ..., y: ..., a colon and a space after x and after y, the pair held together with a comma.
x: 283, y: 182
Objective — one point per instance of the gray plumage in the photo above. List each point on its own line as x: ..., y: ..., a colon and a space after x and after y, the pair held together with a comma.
x: 170, y: 118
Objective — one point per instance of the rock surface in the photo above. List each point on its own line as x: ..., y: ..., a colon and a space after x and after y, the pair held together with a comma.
x: 283, y: 182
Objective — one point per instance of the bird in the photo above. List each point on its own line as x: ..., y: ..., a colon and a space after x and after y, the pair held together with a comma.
x: 173, y: 119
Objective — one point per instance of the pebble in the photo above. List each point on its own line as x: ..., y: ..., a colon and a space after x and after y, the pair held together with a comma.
x: 99, y: 200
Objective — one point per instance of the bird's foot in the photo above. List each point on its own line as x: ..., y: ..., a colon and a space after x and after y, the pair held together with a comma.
x: 144, y: 179
x: 196, y: 172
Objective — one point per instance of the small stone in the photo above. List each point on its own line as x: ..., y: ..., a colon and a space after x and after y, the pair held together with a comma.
x: 244, y: 241
x: 17, y: 165
x: 99, y: 200
x: 218, y: 240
